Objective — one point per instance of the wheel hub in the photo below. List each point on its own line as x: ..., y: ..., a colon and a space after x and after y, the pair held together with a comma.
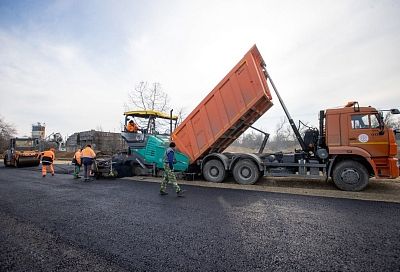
x: 214, y: 171
x: 350, y: 176
x: 245, y: 172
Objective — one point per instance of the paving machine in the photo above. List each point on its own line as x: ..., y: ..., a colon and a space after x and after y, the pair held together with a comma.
x: 147, y: 146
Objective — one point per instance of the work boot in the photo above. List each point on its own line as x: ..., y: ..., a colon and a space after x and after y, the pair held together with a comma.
x: 163, y: 193
x: 180, y: 192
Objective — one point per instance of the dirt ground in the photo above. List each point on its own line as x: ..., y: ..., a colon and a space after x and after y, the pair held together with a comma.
x: 378, y: 190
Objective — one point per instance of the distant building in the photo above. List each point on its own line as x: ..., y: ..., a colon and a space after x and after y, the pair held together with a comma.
x: 106, y: 142
x: 38, y: 131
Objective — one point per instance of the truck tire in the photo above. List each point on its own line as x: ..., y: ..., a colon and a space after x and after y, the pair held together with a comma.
x: 136, y: 170
x: 350, y: 176
x: 246, y: 172
x: 214, y: 171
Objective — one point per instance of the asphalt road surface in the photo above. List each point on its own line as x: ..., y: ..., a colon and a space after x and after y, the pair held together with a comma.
x: 60, y: 224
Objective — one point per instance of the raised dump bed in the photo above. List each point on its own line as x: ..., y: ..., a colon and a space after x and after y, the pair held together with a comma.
x: 227, y: 111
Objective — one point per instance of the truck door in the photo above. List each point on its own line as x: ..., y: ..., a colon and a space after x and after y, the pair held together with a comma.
x: 364, y: 133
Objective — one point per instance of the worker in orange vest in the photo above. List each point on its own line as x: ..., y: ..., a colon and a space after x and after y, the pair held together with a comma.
x: 132, y: 127
x: 88, y: 156
x: 77, y: 160
x: 48, y: 158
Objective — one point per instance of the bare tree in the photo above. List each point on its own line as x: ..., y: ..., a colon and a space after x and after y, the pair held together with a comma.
x: 181, y: 115
x: 392, y: 120
x: 284, y: 137
x: 7, y: 131
x: 147, y: 96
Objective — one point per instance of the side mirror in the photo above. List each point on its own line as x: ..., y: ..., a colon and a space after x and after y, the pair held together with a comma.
x: 395, y: 111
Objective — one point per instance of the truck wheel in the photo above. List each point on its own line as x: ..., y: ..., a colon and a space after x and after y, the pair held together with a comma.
x: 246, y: 172
x: 136, y: 170
x: 214, y: 171
x: 350, y: 176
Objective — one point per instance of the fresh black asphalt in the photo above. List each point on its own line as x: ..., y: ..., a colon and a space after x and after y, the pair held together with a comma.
x: 61, y: 224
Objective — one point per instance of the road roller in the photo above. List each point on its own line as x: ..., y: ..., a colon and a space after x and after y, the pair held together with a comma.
x: 22, y: 152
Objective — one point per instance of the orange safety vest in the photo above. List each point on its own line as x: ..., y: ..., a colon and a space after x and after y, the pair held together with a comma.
x: 78, y: 156
x: 48, y: 156
x: 87, y: 152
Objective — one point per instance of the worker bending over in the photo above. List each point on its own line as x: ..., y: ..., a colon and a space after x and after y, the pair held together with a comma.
x: 48, y: 158
x: 88, y: 156
x: 78, y: 162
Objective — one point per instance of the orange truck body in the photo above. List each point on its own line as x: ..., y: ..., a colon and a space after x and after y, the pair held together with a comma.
x: 237, y: 101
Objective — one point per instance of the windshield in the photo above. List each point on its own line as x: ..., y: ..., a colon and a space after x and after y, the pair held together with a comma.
x: 24, y: 144
x: 150, y: 125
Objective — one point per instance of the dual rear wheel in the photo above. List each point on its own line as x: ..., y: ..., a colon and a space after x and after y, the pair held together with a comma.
x: 347, y: 175
x: 244, y: 172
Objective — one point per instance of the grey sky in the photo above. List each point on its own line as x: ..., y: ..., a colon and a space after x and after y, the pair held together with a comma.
x: 71, y: 64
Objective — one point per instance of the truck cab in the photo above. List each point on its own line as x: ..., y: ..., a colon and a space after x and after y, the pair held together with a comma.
x: 358, y: 134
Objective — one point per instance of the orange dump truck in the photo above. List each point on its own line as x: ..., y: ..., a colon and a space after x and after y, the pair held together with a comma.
x: 351, y: 144
x: 227, y: 111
